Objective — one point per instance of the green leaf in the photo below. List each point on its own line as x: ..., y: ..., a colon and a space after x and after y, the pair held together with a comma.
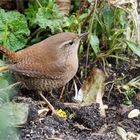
x: 31, y: 12
x: 134, y: 47
x: 33, y: 9
x: 50, y: 17
x: 120, y: 18
x: 108, y: 17
x: 11, y: 116
x: 3, y: 83
x: 6, y: 82
x: 3, y: 93
x: 15, y: 42
x: 17, y: 29
x: 94, y: 42
x: 15, y: 113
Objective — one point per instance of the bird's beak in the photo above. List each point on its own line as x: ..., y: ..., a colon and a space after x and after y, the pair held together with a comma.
x: 83, y: 35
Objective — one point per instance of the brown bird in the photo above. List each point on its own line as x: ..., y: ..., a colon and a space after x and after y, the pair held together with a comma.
x: 48, y: 64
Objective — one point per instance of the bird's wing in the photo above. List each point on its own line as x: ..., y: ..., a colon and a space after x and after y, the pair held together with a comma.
x: 37, y: 70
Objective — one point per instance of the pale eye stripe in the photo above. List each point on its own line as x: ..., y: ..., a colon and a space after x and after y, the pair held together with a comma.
x: 65, y: 43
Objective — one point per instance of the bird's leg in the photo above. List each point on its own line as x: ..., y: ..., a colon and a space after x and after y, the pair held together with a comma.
x: 62, y: 92
x: 48, y: 103
x: 50, y: 92
x: 59, y: 112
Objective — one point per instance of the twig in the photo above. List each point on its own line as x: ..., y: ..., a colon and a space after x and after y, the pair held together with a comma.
x: 5, y: 35
x: 84, y: 5
x: 20, y: 5
x: 87, y: 54
x: 33, y: 34
x: 89, y: 15
x: 112, y: 86
x: 78, y: 80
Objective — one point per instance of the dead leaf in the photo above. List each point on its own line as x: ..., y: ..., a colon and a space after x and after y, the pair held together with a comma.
x: 131, y: 136
x: 122, y: 109
x: 134, y: 113
x: 138, y: 96
x: 43, y: 112
x: 81, y: 127
x: 103, y: 129
x: 92, y: 90
x: 121, y: 132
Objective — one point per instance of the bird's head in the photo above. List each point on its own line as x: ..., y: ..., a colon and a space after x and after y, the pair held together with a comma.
x: 66, y: 41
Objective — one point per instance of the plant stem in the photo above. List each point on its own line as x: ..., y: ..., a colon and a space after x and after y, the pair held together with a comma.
x: 5, y: 35
x: 89, y: 15
x: 39, y: 3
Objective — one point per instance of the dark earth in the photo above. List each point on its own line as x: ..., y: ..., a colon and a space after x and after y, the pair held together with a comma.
x: 83, y: 123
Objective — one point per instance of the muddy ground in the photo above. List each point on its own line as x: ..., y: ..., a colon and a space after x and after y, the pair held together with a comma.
x: 84, y: 123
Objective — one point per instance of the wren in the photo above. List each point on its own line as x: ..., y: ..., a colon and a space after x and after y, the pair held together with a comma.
x: 46, y: 65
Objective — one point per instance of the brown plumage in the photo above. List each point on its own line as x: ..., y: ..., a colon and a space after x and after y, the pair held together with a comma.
x: 48, y: 64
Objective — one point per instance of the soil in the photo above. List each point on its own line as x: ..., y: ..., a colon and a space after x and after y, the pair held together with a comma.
x: 84, y: 123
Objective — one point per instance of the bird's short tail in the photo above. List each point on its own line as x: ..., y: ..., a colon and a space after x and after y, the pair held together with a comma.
x: 8, y: 53
x: 5, y: 51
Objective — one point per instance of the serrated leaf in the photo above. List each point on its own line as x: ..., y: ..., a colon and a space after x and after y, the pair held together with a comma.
x: 17, y: 29
x: 94, y: 42
x: 134, y: 47
x: 49, y: 17
x: 15, y: 42
x: 32, y: 10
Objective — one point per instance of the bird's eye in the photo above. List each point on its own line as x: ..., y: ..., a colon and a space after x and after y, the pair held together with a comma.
x: 71, y: 42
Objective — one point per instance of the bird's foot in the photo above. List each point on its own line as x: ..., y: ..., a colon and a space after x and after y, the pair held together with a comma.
x: 43, y: 112
x: 48, y: 103
x: 59, y: 112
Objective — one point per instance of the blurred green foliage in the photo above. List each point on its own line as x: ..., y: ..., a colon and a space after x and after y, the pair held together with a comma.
x: 12, y: 115
x: 45, y: 15
x: 111, y: 28
x: 13, y: 30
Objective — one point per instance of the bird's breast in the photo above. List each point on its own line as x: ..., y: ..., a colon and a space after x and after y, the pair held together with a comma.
x: 72, y: 66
